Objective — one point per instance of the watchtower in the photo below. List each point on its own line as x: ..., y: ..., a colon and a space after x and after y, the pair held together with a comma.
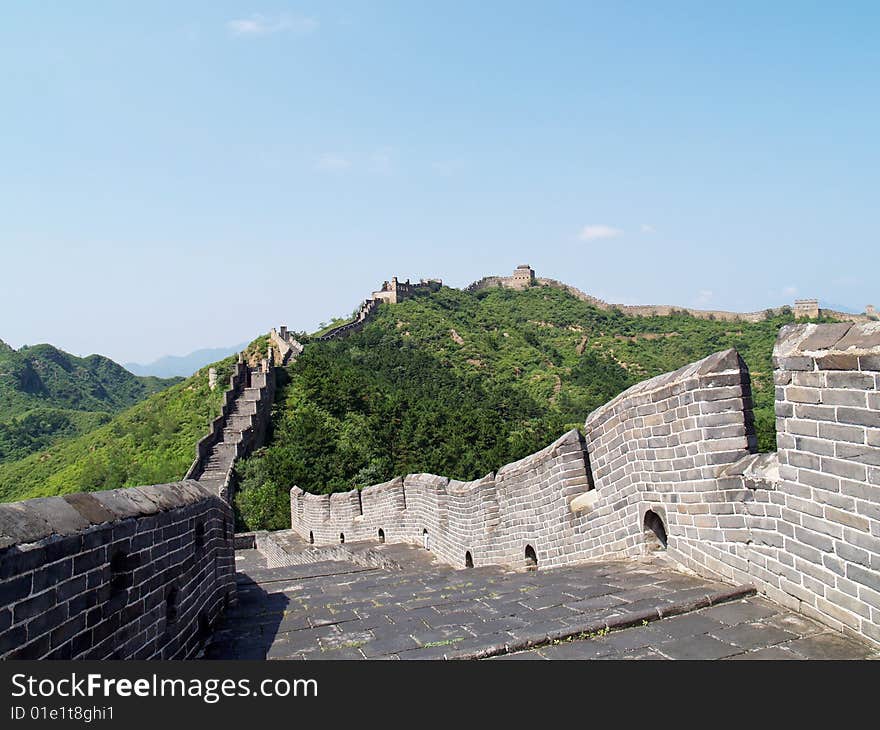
x: 523, y: 277
x: 806, y: 308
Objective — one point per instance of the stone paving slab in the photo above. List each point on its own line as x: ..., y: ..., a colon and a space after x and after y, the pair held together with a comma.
x: 749, y: 628
x: 625, y: 609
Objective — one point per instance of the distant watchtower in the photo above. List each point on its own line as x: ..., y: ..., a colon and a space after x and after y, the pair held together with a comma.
x: 806, y: 308
x: 871, y: 311
x: 523, y: 277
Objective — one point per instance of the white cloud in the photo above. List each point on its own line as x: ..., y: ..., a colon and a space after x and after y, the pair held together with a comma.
x: 647, y: 228
x: 789, y: 291
x: 332, y: 163
x: 597, y: 231
x: 257, y: 25
x: 703, y: 296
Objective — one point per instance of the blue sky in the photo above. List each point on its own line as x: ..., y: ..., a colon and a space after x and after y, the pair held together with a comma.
x: 178, y: 175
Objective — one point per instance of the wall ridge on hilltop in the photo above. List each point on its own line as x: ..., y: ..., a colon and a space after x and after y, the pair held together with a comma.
x: 524, y: 276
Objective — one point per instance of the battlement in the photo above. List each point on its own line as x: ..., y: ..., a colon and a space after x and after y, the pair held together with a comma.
x: 392, y: 292
x: 671, y: 463
x: 241, y: 425
x: 524, y: 276
x: 139, y: 573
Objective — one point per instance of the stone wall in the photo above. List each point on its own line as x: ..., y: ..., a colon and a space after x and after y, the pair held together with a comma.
x: 204, y: 446
x: 663, y: 310
x: 670, y: 462
x: 287, y: 346
x: 366, y: 312
x: 828, y: 438
x: 566, y: 502
x: 392, y: 292
x: 138, y: 573
x: 239, y: 429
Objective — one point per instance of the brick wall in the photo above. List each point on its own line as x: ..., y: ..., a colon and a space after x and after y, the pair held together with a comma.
x: 802, y: 524
x: 828, y: 438
x: 237, y: 381
x: 656, y: 447
x: 138, y: 573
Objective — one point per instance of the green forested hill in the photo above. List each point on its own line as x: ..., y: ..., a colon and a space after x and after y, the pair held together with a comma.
x: 453, y: 383
x: 47, y: 394
x: 458, y: 384
x: 150, y: 443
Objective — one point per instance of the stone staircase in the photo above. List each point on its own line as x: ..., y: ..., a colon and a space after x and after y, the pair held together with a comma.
x: 238, y: 430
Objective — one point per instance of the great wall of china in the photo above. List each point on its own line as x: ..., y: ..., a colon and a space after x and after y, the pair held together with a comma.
x: 145, y: 572
x: 524, y: 277
x: 671, y: 462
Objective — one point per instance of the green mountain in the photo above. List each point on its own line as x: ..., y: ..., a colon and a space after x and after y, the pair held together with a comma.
x: 47, y: 394
x: 452, y: 382
x: 150, y: 443
x: 461, y: 383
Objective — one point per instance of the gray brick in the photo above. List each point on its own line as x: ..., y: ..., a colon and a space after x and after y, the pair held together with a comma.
x: 15, y: 589
x: 798, y: 394
x: 835, y: 432
x: 837, y: 361
x: 845, y: 469
x: 858, y: 416
x: 870, y: 578
x: 853, y: 380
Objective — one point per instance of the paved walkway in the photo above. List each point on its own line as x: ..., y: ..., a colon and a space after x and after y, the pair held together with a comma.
x: 425, y: 610
x: 751, y: 628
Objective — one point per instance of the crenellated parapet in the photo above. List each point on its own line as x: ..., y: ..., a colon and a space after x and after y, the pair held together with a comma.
x: 287, y: 346
x: 523, y: 277
x: 138, y: 573
x: 670, y: 464
x: 239, y: 429
x: 392, y: 292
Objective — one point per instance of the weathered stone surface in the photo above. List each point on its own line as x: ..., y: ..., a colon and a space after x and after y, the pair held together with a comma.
x: 77, y: 583
x: 680, y: 447
x: 424, y: 610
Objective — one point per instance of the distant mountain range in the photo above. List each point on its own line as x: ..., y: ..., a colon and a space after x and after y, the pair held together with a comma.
x: 47, y: 394
x: 171, y: 366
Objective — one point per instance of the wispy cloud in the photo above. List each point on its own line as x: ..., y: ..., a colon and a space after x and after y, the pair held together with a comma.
x: 704, y: 296
x: 647, y: 228
x: 332, y: 163
x: 259, y: 25
x: 789, y: 291
x: 598, y: 231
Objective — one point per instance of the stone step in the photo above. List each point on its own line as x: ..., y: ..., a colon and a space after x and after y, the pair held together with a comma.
x: 218, y: 463
x: 243, y: 408
x: 237, y: 422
